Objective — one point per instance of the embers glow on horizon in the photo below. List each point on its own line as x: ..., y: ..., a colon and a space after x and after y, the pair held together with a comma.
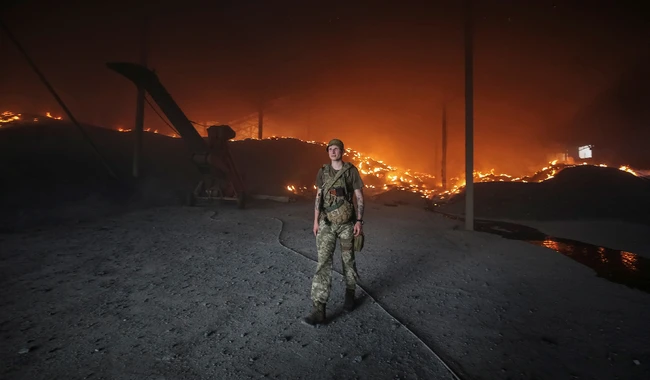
x: 380, y: 177
x: 10, y: 117
x: 424, y: 184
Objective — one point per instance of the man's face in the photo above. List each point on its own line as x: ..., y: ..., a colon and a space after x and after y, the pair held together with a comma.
x: 335, y: 153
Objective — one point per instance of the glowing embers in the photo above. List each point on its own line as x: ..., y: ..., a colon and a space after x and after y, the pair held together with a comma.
x: 9, y: 117
x: 629, y: 260
x: 377, y: 175
x: 618, y: 266
x: 155, y: 131
x: 47, y: 114
x: 380, y: 177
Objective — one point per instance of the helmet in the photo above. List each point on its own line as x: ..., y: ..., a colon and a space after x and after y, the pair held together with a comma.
x: 336, y: 142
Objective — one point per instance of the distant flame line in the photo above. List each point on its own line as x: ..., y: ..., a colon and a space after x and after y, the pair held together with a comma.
x: 389, y: 177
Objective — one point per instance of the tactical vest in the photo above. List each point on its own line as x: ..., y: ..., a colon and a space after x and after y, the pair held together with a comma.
x: 337, y: 201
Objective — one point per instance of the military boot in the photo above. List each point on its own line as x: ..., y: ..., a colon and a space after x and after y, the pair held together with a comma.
x: 317, y: 315
x: 348, y: 305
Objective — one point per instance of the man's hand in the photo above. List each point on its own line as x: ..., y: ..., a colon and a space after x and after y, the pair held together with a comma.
x: 319, y: 193
x: 358, y: 228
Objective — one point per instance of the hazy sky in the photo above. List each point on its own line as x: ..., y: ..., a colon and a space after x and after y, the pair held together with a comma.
x: 373, y: 73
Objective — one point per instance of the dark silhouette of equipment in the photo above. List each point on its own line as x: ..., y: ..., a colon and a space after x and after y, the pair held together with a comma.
x: 220, y: 177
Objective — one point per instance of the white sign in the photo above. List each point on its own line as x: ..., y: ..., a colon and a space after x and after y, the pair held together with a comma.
x: 585, y: 151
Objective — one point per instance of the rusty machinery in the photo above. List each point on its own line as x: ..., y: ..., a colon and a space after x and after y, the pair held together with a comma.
x: 220, y: 177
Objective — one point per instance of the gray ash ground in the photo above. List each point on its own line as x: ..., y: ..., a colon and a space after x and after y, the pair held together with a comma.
x: 181, y: 292
x: 106, y: 280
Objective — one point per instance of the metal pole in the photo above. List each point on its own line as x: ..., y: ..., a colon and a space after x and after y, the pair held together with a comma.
x: 138, y: 131
x: 435, y: 152
x: 260, y: 121
x: 469, y: 118
x: 444, y: 147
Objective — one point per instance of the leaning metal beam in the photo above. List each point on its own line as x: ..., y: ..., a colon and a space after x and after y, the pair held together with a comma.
x: 147, y: 79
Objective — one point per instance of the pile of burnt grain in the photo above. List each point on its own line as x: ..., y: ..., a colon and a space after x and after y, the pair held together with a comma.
x: 269, y: 166
x: 396, y: 197
x: 581, y: 192
x: 51, y: 171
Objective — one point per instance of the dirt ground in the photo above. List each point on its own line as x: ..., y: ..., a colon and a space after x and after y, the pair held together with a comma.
x: 216, y: 293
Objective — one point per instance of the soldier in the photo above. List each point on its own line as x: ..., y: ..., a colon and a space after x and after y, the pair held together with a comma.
x: 335, y: 218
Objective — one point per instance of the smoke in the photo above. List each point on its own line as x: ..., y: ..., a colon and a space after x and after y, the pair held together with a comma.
x: 375, y: 76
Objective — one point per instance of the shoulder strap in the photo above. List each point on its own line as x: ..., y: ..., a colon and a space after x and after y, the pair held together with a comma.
x: 338, y: 175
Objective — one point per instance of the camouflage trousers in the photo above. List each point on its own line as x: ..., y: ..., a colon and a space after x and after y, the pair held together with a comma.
x: 326, y: 244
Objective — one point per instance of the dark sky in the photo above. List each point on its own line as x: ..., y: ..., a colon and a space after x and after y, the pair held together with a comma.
x: 373, y: 73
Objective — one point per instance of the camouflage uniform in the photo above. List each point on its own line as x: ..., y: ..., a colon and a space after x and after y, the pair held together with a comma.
x: 329, y: 232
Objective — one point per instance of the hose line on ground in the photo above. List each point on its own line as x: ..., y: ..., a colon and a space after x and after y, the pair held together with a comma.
x: 451, y: 371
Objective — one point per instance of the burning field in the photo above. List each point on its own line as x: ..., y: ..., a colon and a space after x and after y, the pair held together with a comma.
x: 55, y: 160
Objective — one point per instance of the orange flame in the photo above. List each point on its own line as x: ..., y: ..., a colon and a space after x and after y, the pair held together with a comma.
x: 384, y: 177
x: 9, y: 117
x: 379, y: 176
x: 52, y: 117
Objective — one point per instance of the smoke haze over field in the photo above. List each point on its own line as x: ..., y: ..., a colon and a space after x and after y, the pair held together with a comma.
x: 374, y: 74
